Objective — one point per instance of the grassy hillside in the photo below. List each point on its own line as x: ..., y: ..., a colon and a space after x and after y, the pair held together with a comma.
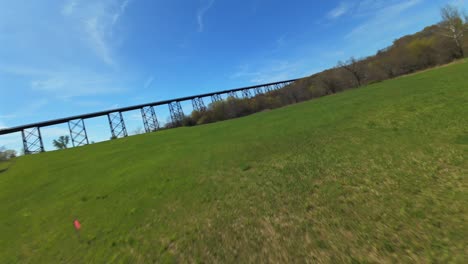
x: 374, y: 174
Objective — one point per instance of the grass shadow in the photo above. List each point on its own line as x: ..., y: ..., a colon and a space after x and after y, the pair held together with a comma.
x: 5, y: 165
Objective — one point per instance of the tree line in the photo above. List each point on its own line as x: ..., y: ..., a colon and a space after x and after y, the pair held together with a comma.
x: 435, y: 45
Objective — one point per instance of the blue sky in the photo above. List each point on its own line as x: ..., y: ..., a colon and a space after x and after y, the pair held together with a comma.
x: 67, y: 57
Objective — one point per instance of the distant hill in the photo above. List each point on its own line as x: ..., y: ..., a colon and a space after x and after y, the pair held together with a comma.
x: 426, y: 49
x: 376, y: 174
x: 408, y: 54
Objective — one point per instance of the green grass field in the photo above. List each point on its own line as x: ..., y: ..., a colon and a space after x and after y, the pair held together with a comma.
x: 377, y: 174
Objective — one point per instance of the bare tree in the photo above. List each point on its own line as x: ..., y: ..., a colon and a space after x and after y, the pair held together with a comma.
x: 454, y: 26
x: 355, y: 67
x: 6, y: 154
x: 329, y: 82
x: 387, y: 66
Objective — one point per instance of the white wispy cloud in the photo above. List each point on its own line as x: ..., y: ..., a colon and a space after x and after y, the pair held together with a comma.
x: 21, y: 70
x: 385, y: 19
x: 97, y: 32
x: 67, y: 82
x: 69, y: 7
x: 270, y: 71
x: 64, y: 85
x: 201, y: 13
x: 120, y: 11
x: 9, y: 116
x: 28, y: 110
x: 460, y: 3
x: 338, y: 11
x: 148, y: 82
x: 369, y: 7
x: 96, y: 22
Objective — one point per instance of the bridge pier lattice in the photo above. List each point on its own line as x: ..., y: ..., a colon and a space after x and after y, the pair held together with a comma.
x: 246, y: 93
x: 216, y: 98
x: 198, y: 104
x: 268, y: 88
x: 232, y: 94
x: 177, y: 114
x: 258, y: 91
x: 117, y: 125
x: 32, y: 140
x: 150, y: 121
x: 78, y: 134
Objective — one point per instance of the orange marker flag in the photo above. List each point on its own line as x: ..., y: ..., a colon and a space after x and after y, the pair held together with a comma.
x: 77, y: 225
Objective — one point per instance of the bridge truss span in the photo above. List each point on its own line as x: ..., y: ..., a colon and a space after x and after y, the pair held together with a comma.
x: 33, y: 140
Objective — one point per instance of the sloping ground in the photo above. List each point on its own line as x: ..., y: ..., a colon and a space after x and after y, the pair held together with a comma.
x: 377, y: 174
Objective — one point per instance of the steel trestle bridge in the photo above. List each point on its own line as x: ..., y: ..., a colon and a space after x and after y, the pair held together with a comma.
x: 32, y: 138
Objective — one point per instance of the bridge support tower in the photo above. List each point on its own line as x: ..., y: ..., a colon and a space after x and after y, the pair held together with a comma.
x: 198, y: 104
x: 177, y: 115
x: 117, y: 125
x: 150, y: 121
x: 78, y: 134
x: 32, y: 140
